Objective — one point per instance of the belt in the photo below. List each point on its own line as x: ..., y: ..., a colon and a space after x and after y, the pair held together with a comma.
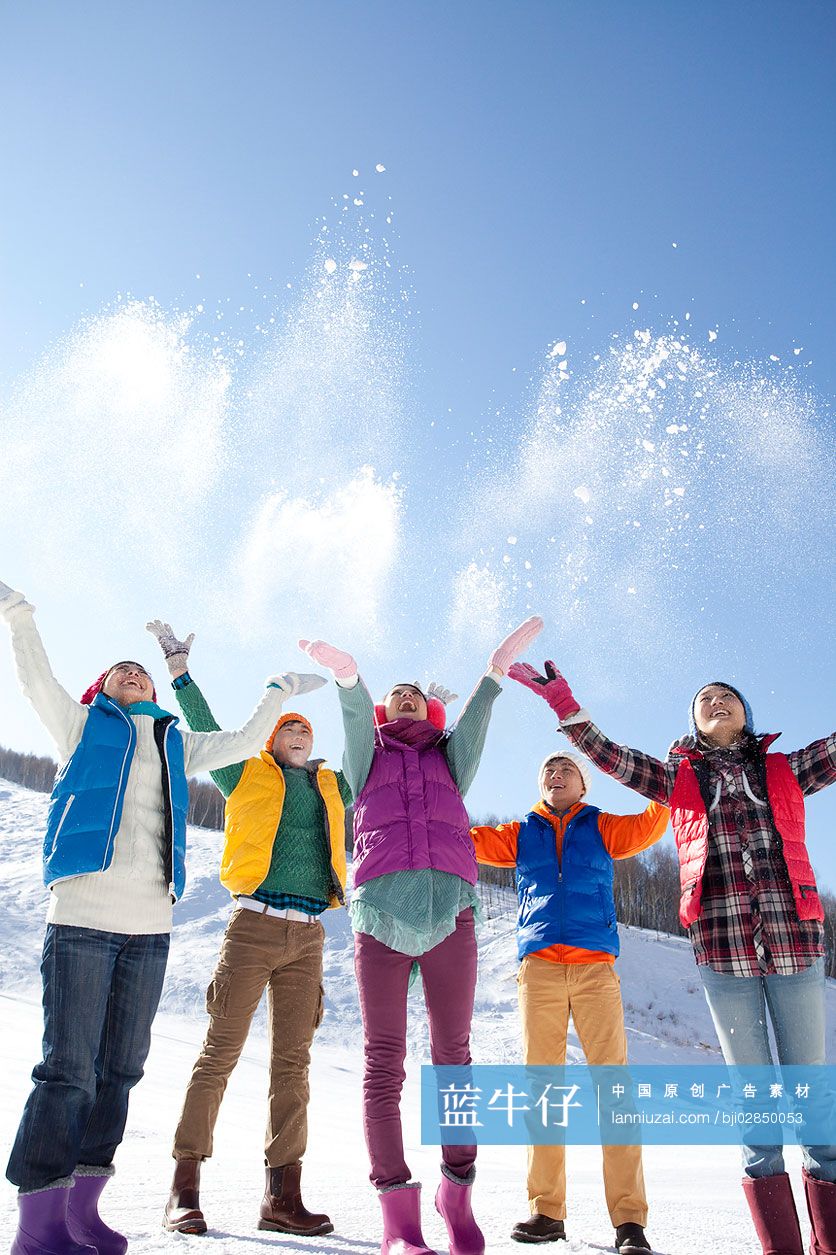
x: 301, y: 917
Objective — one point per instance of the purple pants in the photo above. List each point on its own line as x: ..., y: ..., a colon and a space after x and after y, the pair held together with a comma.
x: 449, y: 975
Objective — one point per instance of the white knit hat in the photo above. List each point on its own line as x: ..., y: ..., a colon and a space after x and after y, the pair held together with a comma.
x: 576, y: 760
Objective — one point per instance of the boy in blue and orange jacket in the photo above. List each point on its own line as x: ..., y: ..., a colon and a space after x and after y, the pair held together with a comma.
x: 567, y: 940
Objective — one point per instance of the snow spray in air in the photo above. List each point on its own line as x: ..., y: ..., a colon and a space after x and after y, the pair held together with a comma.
x: 650, y: 500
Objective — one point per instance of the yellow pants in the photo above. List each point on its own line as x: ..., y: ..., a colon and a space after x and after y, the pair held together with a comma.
x: 590, y: 992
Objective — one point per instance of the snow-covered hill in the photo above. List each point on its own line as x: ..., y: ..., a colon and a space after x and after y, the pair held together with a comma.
x: 666, y: 1017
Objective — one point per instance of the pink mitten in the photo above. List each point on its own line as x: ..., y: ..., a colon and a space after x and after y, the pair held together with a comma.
x: 515, y: 644
x: 552, y: 687
x: 341, y: 664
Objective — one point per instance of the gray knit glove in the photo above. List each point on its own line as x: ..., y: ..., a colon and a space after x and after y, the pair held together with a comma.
x: 445, y: 696
x: 175, y: 652
x: 9, y: 600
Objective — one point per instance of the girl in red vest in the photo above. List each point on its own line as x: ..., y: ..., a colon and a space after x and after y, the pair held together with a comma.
x: 749, y: 902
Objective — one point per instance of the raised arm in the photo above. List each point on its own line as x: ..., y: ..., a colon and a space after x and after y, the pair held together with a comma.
x: 208, y: 751
x: 193, y: 705
x: 496, y: 847
x: 467, y: 739
x: 62, y: 716
x: 626, y: 835
x: 815, y: 766
x: 647, y: 775
x: 357, y: 710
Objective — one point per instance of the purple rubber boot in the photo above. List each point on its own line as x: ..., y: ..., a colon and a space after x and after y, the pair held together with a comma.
x: 42, y: 1225
x: 83, y: 1219
x: 401, y: 1205
x: 452, y: 1202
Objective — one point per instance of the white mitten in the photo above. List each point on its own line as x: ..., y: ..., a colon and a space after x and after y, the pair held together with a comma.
x: 10, y: 600
x: 445, y: 696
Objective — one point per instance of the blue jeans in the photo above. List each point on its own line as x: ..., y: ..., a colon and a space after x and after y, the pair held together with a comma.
x: 738, y: 1006
x: 101, y: 992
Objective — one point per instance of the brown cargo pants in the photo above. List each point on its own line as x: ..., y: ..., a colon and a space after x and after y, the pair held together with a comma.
x: 284, y: 957
x: 590, y: 992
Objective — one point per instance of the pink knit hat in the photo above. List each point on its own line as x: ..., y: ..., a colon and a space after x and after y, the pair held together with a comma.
x: 89, y: 695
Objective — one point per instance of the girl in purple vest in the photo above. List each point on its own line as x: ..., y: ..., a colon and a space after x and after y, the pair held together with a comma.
x: 413, y: 903
x: 749, y: 902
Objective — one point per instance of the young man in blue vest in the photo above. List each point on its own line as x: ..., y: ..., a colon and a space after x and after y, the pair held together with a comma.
x: 114, y: 863
x: 567, y: 941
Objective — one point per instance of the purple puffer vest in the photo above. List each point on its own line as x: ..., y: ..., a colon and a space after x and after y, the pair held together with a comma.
x: 409, y: 814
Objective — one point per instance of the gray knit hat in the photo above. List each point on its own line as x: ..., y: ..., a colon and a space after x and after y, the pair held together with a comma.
x: 747, y: 709
x: 576, y: 760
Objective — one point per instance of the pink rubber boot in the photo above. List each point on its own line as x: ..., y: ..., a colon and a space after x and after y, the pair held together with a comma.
x: 452, y: 1202
x: 401, y: 1205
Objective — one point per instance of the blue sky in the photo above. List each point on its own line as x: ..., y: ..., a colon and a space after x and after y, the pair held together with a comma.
x: 204, y: 420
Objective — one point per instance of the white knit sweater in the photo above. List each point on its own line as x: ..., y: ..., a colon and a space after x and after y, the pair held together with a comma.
x: 132, y: 895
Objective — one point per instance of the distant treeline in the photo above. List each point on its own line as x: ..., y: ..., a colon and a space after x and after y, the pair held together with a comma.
x: 206, y: 804
x: 646, y: 887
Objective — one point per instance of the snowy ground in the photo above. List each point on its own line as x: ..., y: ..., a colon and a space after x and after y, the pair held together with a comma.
x: 692, y: 1191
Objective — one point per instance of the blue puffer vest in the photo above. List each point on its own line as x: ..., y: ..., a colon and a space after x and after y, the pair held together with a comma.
x: 86, y: 807
x: 568, y: 902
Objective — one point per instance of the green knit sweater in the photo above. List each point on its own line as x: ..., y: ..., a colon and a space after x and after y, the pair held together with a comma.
x: 300, y: 865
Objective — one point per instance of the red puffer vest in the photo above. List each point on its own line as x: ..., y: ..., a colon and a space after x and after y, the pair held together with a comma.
x: 690, y: 821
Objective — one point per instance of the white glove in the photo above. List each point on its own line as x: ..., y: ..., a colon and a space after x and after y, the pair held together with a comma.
x: 9, y: 599
x: 295, y: 684
x: 175, y: 652
x: 446, y: 696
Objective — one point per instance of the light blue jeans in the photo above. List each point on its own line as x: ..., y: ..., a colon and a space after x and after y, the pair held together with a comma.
x: 738, y: 1006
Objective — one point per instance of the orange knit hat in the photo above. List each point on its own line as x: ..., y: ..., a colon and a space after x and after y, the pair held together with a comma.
x: 289, y: 717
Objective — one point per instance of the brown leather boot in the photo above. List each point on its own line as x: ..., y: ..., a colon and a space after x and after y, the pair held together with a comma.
x: 282, y: 1209
x: 182, y: 1211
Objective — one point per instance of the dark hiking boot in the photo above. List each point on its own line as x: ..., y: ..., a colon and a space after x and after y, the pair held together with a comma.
x: 282, y: 1209
x: 539, y: 1228
x: 630, y: 1239
x: 182, y: 1211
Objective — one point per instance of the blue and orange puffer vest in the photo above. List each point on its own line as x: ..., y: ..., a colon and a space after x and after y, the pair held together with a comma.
x: 689, y: 820
x: 89, y: 792
x: 567, y: 901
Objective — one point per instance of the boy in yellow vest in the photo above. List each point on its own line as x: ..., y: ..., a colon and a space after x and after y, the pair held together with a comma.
x: 284, y: 863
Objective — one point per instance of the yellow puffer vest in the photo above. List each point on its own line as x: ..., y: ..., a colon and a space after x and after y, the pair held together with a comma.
x: 253, y: 813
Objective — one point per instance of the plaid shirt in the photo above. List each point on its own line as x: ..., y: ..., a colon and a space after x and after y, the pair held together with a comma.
x: 749, y: 925
x: 289, y: 902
